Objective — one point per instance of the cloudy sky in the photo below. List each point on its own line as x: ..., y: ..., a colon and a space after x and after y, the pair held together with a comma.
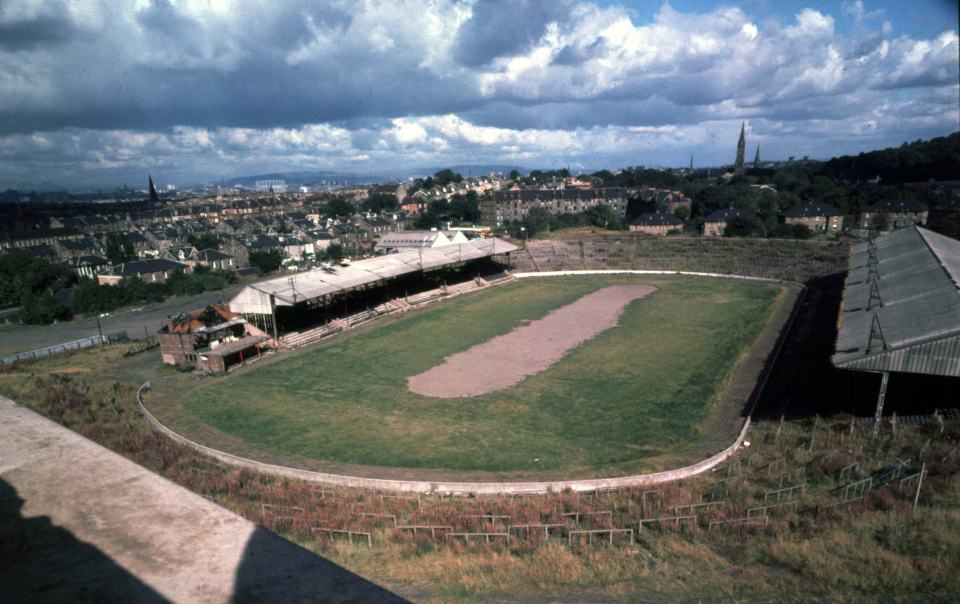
x: 101, y: 92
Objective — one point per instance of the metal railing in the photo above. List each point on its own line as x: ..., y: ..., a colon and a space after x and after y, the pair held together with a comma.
x: 70, y: 346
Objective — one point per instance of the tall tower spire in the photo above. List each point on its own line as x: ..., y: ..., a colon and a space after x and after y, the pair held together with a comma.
x: 153, y: 189
x: 756, y: 158
x: 691, y: 162
x: 741, y: 147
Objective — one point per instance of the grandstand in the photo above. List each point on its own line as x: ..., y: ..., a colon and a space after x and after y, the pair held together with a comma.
x: 343, y: 296
x: 901, y: 308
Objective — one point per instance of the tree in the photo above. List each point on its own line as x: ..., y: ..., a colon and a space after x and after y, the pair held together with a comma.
x: 603, y: 216
x: 437, y: 212
x: 741, y: 226
x: 464, y: 208
x: 514, y: 175
x: 536, y: 221
x: 205, y: 241
x: 119, y: 249
x: 42, y: 309
x: 380, y: 202
x: 266, y: 261
x: 446, y: 176
x: 948, y: 225
x: 338, y: 207
x: 23, y: 275
x: 334, y: 252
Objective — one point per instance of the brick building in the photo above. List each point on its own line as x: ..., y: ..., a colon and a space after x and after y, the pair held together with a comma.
x: 818, y: 217
x: 514, y: 204
x: 715, y: 224
x: 656, y: 223
x: 211, y: 340
x: 899, y: 213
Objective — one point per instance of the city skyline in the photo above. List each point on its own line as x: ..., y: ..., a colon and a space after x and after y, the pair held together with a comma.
x: 194, y: 92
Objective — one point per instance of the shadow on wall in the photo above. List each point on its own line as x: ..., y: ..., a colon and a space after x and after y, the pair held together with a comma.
x: 275, y: 570
x: 40, y: 561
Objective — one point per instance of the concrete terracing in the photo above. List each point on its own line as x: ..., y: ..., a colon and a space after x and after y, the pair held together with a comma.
x: 79, y: 522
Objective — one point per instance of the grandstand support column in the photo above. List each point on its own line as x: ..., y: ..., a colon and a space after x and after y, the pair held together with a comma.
x: 273, y: 316
x: 883, y: 394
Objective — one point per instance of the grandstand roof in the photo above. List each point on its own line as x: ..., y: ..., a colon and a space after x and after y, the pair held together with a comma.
x: 901, y: 305
x: 320, y: 283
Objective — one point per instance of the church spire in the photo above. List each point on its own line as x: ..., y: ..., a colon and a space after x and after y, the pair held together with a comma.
x: 741, y: 147
x: 691, y: 162
x: 153, y: 189
x: 756, y: 158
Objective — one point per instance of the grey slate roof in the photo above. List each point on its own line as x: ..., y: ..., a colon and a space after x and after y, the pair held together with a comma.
x: 898, y: 206
x: 918, y: 311
x: 728, y: 214
x: 811, y: 210
x: 211, y: 256
x: 146, y: 267
x: 80, y: 261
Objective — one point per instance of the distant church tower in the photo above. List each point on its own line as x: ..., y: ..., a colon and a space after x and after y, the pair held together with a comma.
x: 756, y: 159
x: 153, y: 189
x: 741, y: 147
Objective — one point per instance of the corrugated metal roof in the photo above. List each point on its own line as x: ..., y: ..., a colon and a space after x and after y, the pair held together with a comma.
x: 901, y: 305
x: 318, y: 283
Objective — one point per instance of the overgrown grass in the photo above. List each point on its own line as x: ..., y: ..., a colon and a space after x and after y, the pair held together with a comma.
x: 877, y: 549
x: 634, y: 397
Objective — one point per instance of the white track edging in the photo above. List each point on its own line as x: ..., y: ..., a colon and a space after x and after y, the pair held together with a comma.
x: 492, y: 488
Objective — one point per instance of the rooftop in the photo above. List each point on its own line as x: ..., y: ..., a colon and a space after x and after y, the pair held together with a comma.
x: 318, y: 283
x: 901, y: 305
x: 656, y: 219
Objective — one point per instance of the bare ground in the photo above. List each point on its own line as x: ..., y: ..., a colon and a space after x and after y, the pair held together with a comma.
x: 504, y: 361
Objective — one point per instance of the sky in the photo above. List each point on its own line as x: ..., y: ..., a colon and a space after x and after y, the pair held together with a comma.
x: 102, y: 92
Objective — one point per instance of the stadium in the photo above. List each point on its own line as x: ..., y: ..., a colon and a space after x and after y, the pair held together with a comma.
x: 446, y: 366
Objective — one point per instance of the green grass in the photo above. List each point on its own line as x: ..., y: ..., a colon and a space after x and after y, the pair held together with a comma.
x: 639, y: 391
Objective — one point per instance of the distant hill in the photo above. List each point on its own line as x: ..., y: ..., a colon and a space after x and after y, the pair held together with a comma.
x: 473, y: 169
x: 919, y: 161
x: 320, y: 178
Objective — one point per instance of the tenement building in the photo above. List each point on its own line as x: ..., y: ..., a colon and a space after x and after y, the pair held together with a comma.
x: 818, y: 217
x: 514, y: 204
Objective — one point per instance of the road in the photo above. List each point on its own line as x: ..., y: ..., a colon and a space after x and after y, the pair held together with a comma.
x: 22, y: 338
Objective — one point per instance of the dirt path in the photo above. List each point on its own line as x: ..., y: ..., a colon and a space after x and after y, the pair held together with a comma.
x: 504, y: 361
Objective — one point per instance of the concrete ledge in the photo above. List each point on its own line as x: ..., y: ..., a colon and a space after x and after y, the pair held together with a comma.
x: 87, y: 524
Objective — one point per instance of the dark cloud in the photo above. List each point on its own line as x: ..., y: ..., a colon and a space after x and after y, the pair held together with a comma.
x: 28, y: 34
x: 500, y: 28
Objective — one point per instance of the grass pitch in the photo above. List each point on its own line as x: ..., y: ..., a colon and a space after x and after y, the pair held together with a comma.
x: 634, y: 398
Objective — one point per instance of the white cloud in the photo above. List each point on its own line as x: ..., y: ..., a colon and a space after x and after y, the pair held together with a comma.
x: 216, y: 87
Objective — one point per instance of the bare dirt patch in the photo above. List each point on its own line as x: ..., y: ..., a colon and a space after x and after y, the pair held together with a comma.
x: 504, y: 361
